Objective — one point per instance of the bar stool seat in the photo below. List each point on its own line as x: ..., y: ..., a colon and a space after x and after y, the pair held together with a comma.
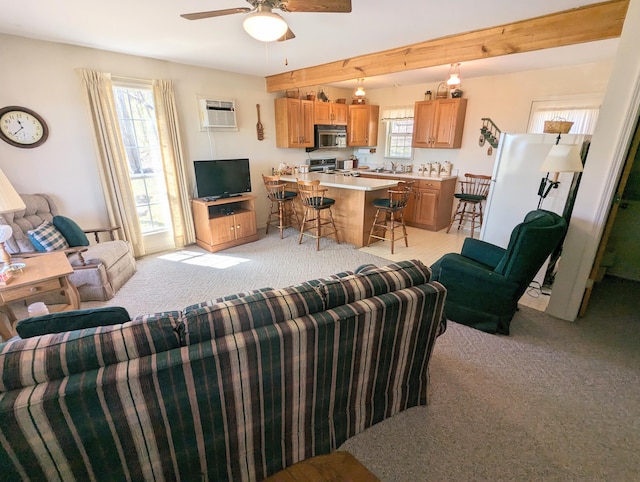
x: 392, y: 209
x: 283, y: 208
x: 315, y: 202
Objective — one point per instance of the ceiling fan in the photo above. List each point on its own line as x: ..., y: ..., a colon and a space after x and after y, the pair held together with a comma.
x: 262, y: 24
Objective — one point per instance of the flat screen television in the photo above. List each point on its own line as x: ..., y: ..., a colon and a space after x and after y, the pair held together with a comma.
x: 222, y: 178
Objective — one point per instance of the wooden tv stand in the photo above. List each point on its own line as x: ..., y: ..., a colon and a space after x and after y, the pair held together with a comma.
x: 225, y: 222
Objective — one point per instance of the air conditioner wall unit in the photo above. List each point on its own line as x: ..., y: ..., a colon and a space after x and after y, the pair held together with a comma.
x: 218, y: 113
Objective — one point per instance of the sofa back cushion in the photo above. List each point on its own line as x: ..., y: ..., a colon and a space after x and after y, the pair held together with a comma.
x: 370, y: 281
x: 26, y: 362
x: 38, y: 208
x: 248, y: 312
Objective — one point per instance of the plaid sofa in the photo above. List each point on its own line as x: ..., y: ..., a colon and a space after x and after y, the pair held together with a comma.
x: 231, y: 389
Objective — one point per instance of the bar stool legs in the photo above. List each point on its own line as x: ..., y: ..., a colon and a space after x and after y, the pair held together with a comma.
x: 391, y: 221
x: 282, y: 204
x: 392, y: 209
x: 315, y: 202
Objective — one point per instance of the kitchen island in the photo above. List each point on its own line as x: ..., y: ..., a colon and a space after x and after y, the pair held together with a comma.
x: 430, y: 206
x: 353, y: 211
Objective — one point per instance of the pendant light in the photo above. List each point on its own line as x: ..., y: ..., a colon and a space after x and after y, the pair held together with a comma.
x: 454, y: 76
x: 359, y: 94
x: 264, y: 25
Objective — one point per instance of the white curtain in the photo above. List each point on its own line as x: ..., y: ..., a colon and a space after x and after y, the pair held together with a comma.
x: 397, y: 112
x: 173, y: 160
x: 114, y: 170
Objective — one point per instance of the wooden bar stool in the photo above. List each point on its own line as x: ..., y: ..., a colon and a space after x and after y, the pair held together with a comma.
x: 392, y: 209
x: 315, y: 202
x: 283, y: 208
x: 473, y: 191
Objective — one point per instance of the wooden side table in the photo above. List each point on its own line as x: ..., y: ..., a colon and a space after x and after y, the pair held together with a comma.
x: 337, y: 466
x: 41, y: 274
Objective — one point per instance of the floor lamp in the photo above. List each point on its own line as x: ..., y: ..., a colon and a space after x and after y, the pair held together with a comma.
x: 10, y: 201
x: 561, y: 158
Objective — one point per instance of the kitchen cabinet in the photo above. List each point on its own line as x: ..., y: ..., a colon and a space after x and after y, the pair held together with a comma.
x: 330, y: 113
x: 224, y: 223
x: 439, y: 123
x: 431, y: 204
x: 362, y: 126
x: 294, y: 122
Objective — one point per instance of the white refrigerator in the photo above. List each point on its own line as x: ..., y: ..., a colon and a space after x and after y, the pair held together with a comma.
x: 515, y: 182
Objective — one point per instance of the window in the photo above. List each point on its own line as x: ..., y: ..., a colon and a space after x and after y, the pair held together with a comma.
x: 399, y: 122
x: 582, y: 112
x: 138, y: 126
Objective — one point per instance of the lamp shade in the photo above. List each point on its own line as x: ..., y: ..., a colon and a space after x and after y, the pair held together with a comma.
x: 10, y: 200
x: 265, y: 26
x: 562, y: 158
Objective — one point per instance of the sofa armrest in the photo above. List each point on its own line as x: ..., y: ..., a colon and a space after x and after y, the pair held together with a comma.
x: 482, y: 252
x: 68, y: 251
x: 97, y: 231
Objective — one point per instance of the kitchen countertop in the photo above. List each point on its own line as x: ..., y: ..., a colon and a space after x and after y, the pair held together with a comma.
x: 340, y: 181
x: 406, y: 175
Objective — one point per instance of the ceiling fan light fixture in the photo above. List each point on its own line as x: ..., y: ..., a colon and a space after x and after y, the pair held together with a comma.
x: 265, y: 26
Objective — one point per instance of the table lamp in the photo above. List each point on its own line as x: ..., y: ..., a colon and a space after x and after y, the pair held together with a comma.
x: 10, y: 201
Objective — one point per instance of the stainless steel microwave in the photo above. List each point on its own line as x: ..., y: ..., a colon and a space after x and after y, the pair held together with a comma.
x: 329, y: 137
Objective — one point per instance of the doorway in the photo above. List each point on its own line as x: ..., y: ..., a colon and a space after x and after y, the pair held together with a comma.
x: 618, y: 252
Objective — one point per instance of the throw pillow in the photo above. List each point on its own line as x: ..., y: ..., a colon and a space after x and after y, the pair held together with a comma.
x: 73, y: 233
x: 48, y: 236
x: 71, y: 320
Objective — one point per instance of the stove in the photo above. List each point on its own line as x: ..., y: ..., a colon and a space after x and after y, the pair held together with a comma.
x: 327, y: 163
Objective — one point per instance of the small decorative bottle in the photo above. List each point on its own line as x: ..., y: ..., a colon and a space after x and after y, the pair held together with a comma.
x: 427, y: 95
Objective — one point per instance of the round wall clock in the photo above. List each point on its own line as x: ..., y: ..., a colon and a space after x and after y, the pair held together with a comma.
x: 22, y: 127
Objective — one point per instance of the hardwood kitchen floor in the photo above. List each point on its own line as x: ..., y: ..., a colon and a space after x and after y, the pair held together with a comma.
x: 429, y: 246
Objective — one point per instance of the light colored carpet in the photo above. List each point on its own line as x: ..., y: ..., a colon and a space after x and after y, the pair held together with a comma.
x: 552, y: 401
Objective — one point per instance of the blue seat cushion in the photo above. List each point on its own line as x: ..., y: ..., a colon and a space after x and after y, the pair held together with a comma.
x: 317, y: 202
x: 470, y: 197
x: 71, y: 320
x: 386, y: 203
x: 287, y: 195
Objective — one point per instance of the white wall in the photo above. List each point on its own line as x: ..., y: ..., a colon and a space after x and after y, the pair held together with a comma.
x: 506, y: 99
x: 43, y: 77
x: 610, y: 143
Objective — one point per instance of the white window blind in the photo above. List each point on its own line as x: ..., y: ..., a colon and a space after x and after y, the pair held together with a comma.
x: 583, y: 114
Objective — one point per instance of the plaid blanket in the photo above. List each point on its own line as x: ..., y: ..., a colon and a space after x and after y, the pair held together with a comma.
x: 232, y: 393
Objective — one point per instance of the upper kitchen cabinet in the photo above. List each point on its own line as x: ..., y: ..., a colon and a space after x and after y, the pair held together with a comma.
x: 330, y: 113
x: 362, y: 128
x: 439, y: 123
x: 294, y: 122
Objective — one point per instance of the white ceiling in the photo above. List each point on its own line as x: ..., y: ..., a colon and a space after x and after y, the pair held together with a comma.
x: 154, y: 28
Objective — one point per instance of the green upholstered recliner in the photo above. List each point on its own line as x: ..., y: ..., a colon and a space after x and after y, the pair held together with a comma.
x: 484, y: 282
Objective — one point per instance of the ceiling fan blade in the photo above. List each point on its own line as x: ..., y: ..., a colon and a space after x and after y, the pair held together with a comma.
x: 320, y: 6
x: 214, y: 13
x: 288, y: 35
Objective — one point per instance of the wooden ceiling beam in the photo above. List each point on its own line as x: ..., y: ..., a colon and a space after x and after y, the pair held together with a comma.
x: 590, y: 23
